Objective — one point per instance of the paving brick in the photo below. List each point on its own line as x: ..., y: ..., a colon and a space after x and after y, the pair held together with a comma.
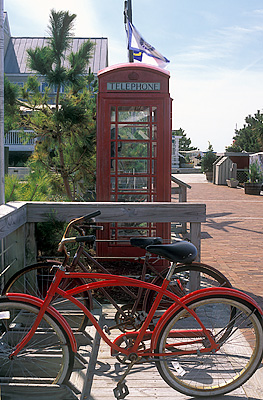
x: 233, y: 234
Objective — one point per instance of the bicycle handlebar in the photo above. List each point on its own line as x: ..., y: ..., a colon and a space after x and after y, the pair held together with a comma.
x: 85, y: 218
x: 88, y: 239
x: 90, y: 216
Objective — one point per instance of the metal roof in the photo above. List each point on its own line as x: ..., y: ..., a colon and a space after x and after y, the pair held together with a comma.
x: 16, y: 53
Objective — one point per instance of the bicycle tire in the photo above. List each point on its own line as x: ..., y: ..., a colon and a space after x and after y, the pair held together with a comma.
x: 35, y: 280
x: 46, y: 358
x: 180, y: 283
x: 211, y: 374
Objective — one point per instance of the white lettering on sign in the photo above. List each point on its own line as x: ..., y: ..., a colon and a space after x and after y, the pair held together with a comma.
x: 136, y: 86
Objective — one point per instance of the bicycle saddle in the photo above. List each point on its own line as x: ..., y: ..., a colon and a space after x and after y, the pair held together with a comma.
x: 179, y: 252
x: 143, y: 242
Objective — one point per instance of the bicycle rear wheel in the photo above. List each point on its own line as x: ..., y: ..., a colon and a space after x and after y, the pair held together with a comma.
x: 36, y: 279
x: 186, y: 278
x: 214, y: 373
x: 47, y: 357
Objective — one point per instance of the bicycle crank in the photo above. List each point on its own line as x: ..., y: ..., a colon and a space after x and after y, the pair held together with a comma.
x: 121, y: 390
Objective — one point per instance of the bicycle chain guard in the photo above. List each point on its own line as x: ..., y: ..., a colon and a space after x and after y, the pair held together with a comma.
x: 129, y: 321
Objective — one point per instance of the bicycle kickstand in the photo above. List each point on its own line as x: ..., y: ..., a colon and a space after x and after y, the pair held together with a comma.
x: 121, y: 390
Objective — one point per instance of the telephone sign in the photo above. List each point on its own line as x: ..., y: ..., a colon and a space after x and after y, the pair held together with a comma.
x: 140, y: 86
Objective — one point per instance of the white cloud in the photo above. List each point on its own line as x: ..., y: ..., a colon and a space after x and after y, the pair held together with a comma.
x: 258, y: 12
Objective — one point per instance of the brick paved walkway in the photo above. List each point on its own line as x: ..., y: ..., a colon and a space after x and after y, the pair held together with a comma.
x: 232, y: 237
x: 232, y: 242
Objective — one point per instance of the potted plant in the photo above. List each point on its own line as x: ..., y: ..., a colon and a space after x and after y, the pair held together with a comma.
x: 232, y: 182
x: 207, y: 163
x: 255, y: 178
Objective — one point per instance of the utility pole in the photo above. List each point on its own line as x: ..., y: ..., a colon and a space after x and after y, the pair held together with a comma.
x: 2, y: 130
x: 128, y: 14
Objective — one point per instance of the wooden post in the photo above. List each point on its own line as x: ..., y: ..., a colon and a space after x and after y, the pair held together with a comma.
x: 14, y: 257
x: 182, y: 191
x: 195, y: 238
x: 30, y: 244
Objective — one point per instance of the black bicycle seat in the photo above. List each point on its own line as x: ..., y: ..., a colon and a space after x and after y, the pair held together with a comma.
x: 143, y: 242
x: 179, y: 252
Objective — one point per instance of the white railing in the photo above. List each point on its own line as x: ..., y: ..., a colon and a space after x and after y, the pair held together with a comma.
x: 15, y: 141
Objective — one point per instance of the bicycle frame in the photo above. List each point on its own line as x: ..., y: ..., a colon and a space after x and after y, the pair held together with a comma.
x: 109, y: 280
x: 136, y: 298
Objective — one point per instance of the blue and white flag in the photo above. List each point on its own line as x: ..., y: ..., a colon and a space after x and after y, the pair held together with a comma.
x: 143, y: 51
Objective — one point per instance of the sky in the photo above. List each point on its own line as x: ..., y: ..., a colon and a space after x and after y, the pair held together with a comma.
x: 215, y: 48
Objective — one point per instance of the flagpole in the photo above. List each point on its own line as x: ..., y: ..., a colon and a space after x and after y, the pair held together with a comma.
x: 128, y: 14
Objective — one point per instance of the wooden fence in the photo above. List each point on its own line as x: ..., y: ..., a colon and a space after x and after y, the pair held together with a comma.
x: 17, y: 223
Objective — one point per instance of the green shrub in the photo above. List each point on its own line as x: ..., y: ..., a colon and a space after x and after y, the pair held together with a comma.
x: 208, y: 160
x: 255, y: 173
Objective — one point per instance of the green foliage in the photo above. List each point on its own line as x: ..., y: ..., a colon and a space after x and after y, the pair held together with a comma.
x: 11, y: 188
x: 250, y: 137
x: 48, y: 235
x: 37, y: 187
x: 11, y: 108
x: 40, y: 59
x: 255, y: 173
x: 60, y: 26
x: 208, y: 159
x: 78, y: 63
x: 184, y: 142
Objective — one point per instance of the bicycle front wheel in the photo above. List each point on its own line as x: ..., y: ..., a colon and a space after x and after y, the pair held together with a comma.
x: 47, y: 357
x: 35, y: 280
x: 215, y: 373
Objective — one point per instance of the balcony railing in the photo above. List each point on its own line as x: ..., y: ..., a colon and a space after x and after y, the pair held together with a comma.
x: 15, y: 141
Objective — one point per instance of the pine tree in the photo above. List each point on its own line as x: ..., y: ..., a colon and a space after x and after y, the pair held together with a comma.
x: 185, y: 143
x: 66, y: 132
x: 250, y: 137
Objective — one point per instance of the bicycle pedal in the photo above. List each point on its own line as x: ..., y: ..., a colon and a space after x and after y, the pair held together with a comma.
x: 121, y: 391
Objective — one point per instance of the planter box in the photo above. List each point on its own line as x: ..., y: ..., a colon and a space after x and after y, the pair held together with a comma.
x: 187, y: 165
x: 253, y: 188
x: 232, y: 183
x: 209, y: 176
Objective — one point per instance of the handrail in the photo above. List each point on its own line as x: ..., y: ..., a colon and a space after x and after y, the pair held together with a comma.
x: 179, y: 182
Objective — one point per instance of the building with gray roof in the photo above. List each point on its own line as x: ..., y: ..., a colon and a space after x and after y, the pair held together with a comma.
x: 16, y: 68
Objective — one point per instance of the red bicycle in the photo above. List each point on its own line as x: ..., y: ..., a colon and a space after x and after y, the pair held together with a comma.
x: 206, y: 343
x: 188, y: 275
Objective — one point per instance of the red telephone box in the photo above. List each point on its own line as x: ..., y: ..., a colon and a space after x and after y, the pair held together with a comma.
x: 133, y: 148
